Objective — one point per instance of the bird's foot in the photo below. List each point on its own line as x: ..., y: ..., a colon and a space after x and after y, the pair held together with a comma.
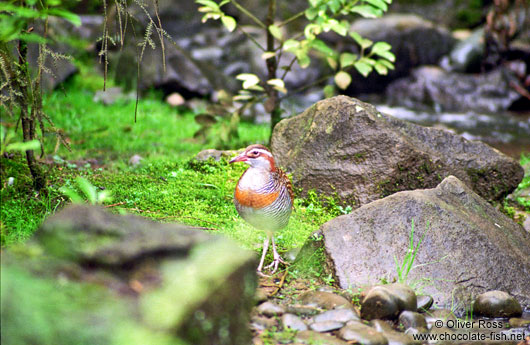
x: 276, y: 262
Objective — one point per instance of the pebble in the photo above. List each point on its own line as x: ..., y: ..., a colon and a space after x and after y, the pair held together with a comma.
x: 405, y: 296
x: 397, y: 338
x: 338, y: 315
x: 325, y: 300
x: 270, y: 309
x: 424, y: 303
x: 517, y: 322
x: 312, y: 337
x: 175, y: 99
x: 135, y: 160
x: 260, y: 323
x: 497, y: 304
x: 409, y: 319
x: 293, y: 322
x: 379, y: 304
x: 382, y: 325
x: 304, y: 310
x: 326, y: 326
x: 357, y: 332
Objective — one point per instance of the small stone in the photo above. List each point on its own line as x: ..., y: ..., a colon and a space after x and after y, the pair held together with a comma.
x: 357, y: 332
x: 261, y: 295
x: 397, y: 338
x: 260, y: 323
x: 379, y: 304
x: 312, y: 337
x: 405, y: 296
x: 424, y: 302
x: 497, y: 304
x: 135, y: 160
x: 175, y: 99
x: 305, y: 310
x: 338, y: 315
x: 270, y: 309
x: 516, y: 322
x: 408, y: 319
x: 293, y: 322
x: 325, y: 300
x: 326, y: 326
x: 10, y: 181
x: 382, y: 325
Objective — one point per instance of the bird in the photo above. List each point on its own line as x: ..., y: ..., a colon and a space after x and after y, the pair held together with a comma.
x: 263, y: 197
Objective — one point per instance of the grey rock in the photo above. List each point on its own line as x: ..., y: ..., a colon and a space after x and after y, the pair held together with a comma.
x: 414, y: 42
x: 382, y: 325
x: 161, y: 281
x: 325, y: 300
x: 424, y: 302
x: 518, y: 322
x: 387, y: 301
x: 430, y: 86
x: 497, y: 304
x: 397, y: 338
x: 270, y: 309
x: 346, y: 148
x: 362, y: 334
x: 111, y: 95
x: 305, y: 310
x: 338, y: 315
x: 409, y: 319
x: 293, y: 322
x: 260, y: 323
x: 379, y: 304
x: 467, y: 54
x: 312, y: 337
x: 325, y: 326
x: 135, y: 160
x: 476, y: 247
x: 439, y: 315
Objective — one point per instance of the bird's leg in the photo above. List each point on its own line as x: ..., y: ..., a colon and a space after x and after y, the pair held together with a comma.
x: 276, y: 258
x: 263, y: 254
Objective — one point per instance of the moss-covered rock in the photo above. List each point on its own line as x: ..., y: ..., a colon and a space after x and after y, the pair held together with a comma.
x: 91, y: 277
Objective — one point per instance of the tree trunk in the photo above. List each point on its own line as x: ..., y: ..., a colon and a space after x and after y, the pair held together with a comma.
x: 28, y: 119
x: 272, y: 105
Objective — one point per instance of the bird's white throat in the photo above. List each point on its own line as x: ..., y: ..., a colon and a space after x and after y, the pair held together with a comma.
x: 254, y: 178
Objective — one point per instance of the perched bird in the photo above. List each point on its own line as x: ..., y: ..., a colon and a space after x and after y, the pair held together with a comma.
x: 263, y: 197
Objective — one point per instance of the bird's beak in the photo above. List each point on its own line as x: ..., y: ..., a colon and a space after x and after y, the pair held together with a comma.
x: 240, y: 158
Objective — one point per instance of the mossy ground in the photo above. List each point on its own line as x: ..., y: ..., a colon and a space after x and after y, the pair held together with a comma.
x: 167, y: 185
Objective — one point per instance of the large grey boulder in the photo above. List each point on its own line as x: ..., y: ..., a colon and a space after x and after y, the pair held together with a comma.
x: 414, y: 40
x: 431, y: 86
x: 342, y: 146
x: 91, y: 277
x: 469, y: 247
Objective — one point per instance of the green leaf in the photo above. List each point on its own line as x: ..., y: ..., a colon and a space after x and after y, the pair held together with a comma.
x: 387, y: 55
x: 347, y: 59
x: 276, y: 32
x: 380, y: 4
x: 367, y: 11
x: 363, y: 42
x: 24, y: 146
x: 381, y: 68
x: 278, y: 84
x: 242, y: 97
x: 229, y: 23
x: 208, y: 3
x: 88, y: 189
x: 334, y: 6
x: 332, y: 62
x: 339, y: 27
x: 329, y: 91
x: 342, y: 79
x: 249, y: 80
x: 322, y: 47
x: 381, y: 47
x: 303, y: 60
x: 72, y: 194
x: 311, y: 13
x: 70, y: 16
x: 291, y: 45
x: 363, y: 67
x: 386, y: 63
x: 311, y: 30
x: 268, y: 55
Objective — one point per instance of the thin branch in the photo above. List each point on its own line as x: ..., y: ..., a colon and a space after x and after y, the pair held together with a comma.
x: 248, y: 14
x: 288, y: 20
x: 251, y: 38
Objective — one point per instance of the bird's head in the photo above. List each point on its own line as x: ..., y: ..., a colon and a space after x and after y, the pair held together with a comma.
x: 257, y: 156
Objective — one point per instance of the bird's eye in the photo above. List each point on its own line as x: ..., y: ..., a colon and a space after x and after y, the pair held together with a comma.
x: 255, y: 153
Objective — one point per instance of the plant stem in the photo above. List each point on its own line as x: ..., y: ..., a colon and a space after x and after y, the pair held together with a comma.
x: 292, y: 18
x: 248, y: 14
x: 272, y: 104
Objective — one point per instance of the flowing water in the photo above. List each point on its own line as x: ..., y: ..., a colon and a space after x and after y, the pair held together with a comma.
x: 509, y: 133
